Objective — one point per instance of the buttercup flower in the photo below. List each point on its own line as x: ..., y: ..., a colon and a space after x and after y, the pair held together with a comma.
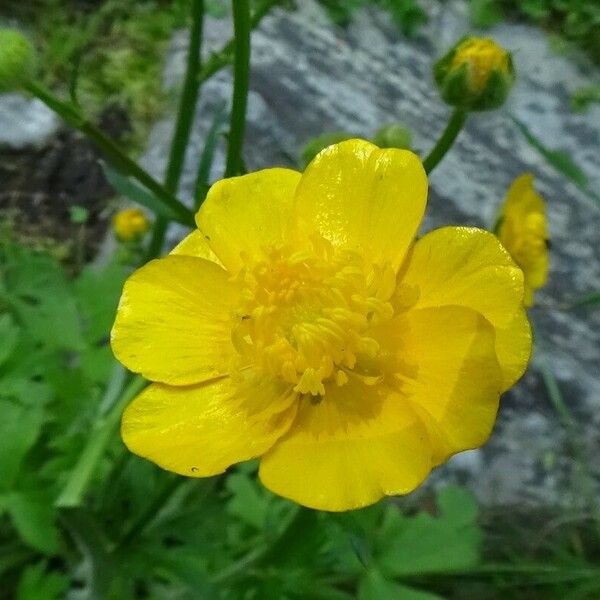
x: 524, y: 233
x: 130, y: 224
x: 301, y: 324
x: 475, y: 74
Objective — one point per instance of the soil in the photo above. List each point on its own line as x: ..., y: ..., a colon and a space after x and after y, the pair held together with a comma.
x: 42, y: 190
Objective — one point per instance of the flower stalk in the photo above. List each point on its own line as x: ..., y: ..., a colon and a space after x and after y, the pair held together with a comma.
x: 453, y: 128
x: 183, y: 126
x: 116, y: 156
x: 241, y: 79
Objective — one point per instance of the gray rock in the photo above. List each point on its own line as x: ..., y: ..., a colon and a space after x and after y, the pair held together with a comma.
x: 25, y: 122
x: 309, y: 77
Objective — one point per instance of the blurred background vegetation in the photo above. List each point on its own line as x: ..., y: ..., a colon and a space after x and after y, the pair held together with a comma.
x: 83, y: 518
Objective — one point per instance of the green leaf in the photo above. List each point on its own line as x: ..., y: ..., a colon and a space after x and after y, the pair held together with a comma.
x: 589, y: 301
x: 38, y: 584
x: 9, y: 334
x: 97, y: 293
x: 559, y: 160
x: 20, y: 427
x: 583, y: 98
x: 34, y: 518
x: 408, y: 16
x: 41, y: 298
x: 485, y: 13
x: 374, y: 586
x: 135, y: 192
x: 424, y: 544
x: 457, y: 504
x: 249, y: 503
x: 207, y: 157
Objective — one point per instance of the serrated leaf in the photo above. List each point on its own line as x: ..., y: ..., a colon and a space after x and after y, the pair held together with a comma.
x: 374, y: 586
x: 425, y: 544
x: 97, y: 292
x: 9, y: 335
x: 20, y: 427
x: 41, y: 298
x: 34, y: 518
x: 458, y: 505
x: 38, y: 584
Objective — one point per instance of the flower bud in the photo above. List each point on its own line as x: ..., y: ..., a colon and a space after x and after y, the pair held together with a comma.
x: 130, y: 224
x: 475, y: 75
x: 315, y: 145
x: 17, y: 60
x: 396, y: 135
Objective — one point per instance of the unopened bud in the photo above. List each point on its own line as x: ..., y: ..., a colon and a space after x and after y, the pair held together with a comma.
x: 17, y: 60
x: 396, y: 135
x: 476, y: 74
x: 130, y: 224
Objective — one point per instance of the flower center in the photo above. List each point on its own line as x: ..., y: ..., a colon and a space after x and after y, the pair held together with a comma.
x: 307, y: 316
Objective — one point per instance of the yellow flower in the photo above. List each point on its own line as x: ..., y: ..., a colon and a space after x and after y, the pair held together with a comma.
x: 475, y: 74
x: 130, y: 224
x: 301, y: 324
x: 524, y: 233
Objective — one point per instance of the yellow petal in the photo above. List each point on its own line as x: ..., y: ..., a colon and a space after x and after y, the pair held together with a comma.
x: 468, y: 267
x: 245, y: 214
x: 195, y: 244
x: 201, y: 430
x: 359, y: 196
x: 174, y: 321
x: 357, y: 445
x: 450, y: 374
x: 522, y: 198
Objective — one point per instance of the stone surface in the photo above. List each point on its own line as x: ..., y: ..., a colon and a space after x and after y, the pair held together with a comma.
x: 309, y: 77
x: 25, y: 122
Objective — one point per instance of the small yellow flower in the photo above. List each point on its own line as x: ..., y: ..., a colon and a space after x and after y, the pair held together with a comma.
x: 130, y: 224
x: 524, y: 233
x: 476, y: 74
x: 302, y: 324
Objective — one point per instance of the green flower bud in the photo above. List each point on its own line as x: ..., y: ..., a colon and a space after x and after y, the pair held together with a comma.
x: 17, y: 60
x: 476, y: 74
x: 396, y: 135
x: 314, y: 146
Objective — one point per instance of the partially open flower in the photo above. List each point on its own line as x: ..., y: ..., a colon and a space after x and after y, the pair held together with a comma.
x: 476, y: 74
x: 17, y: 60
x: 302, y: 324
x: 524, y: 233
x: 130, y: 224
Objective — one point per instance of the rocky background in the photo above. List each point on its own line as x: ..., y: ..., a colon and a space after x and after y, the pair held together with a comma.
x: 310, y: 77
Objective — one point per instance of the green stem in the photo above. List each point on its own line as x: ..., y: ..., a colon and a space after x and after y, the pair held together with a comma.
x: 91, y: 543
x: 79, y: 478
x: 224, y: 57
x: 241, y: 79
x: 183, y: 125
x: 111, y: 150
x: 297, y: 522
x: 455, y: 124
